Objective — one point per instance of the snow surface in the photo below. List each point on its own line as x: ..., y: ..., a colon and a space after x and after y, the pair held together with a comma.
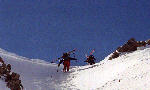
x: 130, y: 71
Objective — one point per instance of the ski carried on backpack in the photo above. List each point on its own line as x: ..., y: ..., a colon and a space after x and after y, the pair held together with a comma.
x: 90, y: 53
x: 90, y: 59
x: 67, y: 53
x: 72, y: 51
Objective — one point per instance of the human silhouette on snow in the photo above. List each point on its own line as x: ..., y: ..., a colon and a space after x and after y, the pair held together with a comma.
x: 90, y: 59
x: 66, y: 61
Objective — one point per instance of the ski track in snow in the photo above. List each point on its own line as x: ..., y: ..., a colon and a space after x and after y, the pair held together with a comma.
x: 130, y: 71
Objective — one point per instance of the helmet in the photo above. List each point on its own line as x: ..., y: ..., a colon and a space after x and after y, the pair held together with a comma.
x: 65, y: 54
x: 91, y: 56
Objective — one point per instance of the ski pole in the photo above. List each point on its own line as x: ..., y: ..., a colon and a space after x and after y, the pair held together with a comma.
x: 57, y: 69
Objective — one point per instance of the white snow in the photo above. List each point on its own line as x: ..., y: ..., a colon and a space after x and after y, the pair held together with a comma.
x: 130, y: 71
x: 35, y: 74
x: 3, y: 85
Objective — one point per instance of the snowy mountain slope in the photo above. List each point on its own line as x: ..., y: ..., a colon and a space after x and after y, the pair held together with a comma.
x: 128, y: 72
x: 3, y: 86
x: 35, y: 74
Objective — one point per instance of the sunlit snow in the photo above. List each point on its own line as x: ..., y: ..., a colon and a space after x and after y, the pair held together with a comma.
x: 130, y: 71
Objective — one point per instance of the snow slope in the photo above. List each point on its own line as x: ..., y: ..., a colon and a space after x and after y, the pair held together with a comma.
x: 3, y: 86
x: 35, y: 74
x: 128, y: 72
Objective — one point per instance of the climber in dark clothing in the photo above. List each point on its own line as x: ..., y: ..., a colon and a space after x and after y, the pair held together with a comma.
x: 66, y: 61
x: 90, y: 59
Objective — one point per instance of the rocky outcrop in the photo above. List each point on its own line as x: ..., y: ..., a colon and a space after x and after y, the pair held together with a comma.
x: 12, y: 79
x: 129, y: 46
x: 148, y: 42
x: 115, y: 55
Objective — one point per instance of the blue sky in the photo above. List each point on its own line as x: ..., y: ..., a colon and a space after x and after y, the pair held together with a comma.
x: 45, y: 29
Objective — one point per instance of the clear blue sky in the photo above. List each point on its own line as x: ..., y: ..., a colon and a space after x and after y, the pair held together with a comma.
x: 45, y: 29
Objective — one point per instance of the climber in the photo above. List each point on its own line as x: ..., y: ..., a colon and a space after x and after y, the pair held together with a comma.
x: 66, y: 61
x: 90, y: 59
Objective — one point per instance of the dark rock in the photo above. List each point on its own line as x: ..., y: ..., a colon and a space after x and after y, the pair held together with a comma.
x: 115, y: 55
x: 148, y: 42
x: 12, y: 80
x: 1, y: 60
x: 130, y: 45
x: 141, y: 43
